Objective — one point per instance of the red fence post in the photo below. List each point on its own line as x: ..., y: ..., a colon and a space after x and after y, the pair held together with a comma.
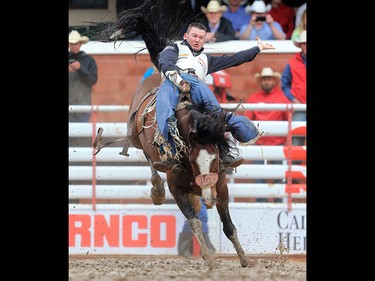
x: 289, y: 156
x: 93, y: 180
x: 196, y: 247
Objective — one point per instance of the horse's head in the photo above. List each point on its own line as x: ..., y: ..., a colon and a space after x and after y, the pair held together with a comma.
x: 204, y: 159
x: 207, y: 141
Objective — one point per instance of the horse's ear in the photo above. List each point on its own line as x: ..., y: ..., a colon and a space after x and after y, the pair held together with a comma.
x: 193, y: 136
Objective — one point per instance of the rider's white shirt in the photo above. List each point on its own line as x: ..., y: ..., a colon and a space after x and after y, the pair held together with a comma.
x: 186, y: 60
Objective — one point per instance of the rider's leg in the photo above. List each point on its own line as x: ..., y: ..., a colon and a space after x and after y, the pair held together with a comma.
x: 244, y: 130
x: 166, y: 102
x: 241, y: 127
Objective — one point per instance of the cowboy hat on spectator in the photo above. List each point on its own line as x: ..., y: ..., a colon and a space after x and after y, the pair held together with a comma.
x: 75, y: 37
x: 258, y: 6
x: 243, y: 2
x: 213, y: 7
x: 301, y: 39
x: 267, y: 72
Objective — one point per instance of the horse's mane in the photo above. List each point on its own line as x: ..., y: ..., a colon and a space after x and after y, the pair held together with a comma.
x: 211, y: 128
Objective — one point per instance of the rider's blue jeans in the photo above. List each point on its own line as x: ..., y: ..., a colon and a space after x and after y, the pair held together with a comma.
x: 241, y: 127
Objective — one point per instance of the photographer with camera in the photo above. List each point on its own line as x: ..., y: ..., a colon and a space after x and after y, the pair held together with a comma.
x: 83, y: 74
x: 261, y: 24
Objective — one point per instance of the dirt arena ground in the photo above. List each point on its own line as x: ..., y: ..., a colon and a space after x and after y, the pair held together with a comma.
x: 158, y: 268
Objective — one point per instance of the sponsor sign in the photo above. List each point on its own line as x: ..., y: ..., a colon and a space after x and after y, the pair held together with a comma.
x: 153, y: 230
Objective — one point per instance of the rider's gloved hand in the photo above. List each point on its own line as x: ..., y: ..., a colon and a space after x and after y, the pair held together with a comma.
x: 184, y: 86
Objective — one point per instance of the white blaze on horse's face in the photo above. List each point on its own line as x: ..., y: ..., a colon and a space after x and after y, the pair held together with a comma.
x: 204, y: 161
x: 206, y: 179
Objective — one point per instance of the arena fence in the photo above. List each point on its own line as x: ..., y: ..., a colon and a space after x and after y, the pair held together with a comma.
x: 109, y: 175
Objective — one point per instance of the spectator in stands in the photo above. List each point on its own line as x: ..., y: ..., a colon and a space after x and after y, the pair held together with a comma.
x: 83, y: 74
x: 301, y: 9
x: 236, y: 14
x: 219, y: 83
x: 284, y: 15
x: 219, y: 29
x: 269, y: 92
x: 196, y: 8
x: 261, y: 24
x: 299, y: 28
x: 293, y: 81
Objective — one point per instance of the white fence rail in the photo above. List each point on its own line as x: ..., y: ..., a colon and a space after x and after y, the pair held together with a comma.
x: 111, y: 154
x: 238, y: 190
x: 143, y: 173
x: 244, y: 106
x: 136, y: 174
x: 274, y: 128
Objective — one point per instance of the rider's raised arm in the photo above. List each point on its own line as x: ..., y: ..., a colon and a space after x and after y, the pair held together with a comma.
x: 216, y: 63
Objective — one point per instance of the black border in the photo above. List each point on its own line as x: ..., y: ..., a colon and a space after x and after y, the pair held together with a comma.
x: 36, y: 178
x: 336, y: 108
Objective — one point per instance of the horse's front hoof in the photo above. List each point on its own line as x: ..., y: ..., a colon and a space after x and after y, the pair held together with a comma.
x: 209, y: 262
x: 157, y: 196
x: 246, y: 262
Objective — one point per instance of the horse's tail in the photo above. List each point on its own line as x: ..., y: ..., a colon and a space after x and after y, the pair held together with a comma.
x: 157, y: 22
x: 98, y: 145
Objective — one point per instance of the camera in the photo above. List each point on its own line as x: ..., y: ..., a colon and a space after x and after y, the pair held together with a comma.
x: 71, y: 61
x: 260, y: 18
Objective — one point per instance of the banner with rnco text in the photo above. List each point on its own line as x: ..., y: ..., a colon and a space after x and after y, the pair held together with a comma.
x: 263, y: 228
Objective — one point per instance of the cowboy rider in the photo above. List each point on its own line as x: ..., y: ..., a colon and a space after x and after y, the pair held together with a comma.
x: 185, y: 66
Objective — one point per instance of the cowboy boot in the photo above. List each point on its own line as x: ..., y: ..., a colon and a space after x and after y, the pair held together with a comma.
x: 258, y: 136
x: 169, y: 163
x: 230, y: 161
x: 227, y: 160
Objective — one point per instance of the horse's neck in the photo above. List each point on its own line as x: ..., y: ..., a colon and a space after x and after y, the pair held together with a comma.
x: 181, y: 112
x: 184, y: 121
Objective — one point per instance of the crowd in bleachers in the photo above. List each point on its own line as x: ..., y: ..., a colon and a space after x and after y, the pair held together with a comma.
x: 268, y: 20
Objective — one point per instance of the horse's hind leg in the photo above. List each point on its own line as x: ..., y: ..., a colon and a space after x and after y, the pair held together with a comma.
x: 157, y: 191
